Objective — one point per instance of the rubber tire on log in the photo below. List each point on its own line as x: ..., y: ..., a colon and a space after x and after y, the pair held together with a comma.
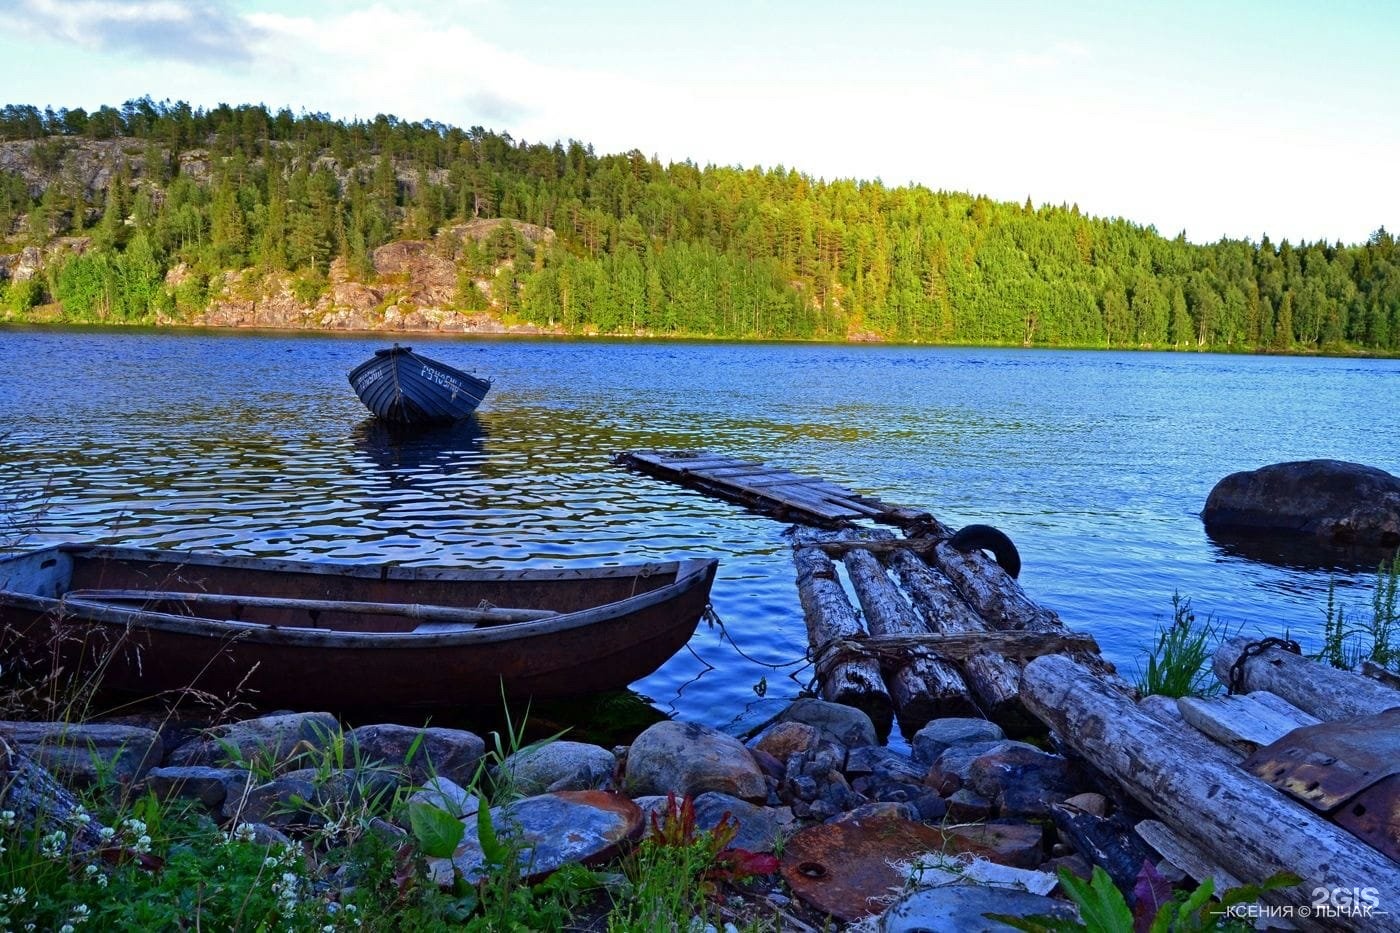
x: 987, y: 538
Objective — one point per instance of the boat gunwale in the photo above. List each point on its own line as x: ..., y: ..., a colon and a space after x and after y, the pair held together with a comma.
x: 689, y: 573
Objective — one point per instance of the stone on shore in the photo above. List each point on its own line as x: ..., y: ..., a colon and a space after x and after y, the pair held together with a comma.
x: 557, y: 766
x: 448, y: 796
x: 450, y: 753
x: 963, y: 908
x: 760, y: 828
x: 554, y: 830
x: 268, y: 740
x: 941, y: 734
x: 84, y: 754
x: 845, y: 724
x: 210, y: 786
x: 684, y: 758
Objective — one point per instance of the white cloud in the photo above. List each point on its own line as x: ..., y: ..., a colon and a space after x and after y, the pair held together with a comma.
x: 196, y: 30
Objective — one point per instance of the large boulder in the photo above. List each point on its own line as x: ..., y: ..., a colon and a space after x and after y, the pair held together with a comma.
x: 684, y: 758
x: 1331, y: 501
x: 557, y: 766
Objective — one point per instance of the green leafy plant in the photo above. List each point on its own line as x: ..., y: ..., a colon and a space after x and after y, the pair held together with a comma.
x: 1104, y: 909
x: 1177, y: 664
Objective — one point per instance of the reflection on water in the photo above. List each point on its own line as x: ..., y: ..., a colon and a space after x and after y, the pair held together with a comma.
x: 1096, y: 464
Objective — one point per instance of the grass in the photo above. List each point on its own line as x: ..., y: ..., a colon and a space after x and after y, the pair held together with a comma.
x: 1178, y: 664
x: 1347, y: 643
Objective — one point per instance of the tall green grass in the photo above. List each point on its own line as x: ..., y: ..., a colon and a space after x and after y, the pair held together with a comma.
x: 1178, y: 663
x: 1346, y: 642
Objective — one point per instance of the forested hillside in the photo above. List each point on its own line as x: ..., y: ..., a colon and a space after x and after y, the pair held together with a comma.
x: 139, y: 213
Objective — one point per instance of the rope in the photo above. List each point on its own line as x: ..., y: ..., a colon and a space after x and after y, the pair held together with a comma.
x: 1236, y: 684
x: 713, y: 620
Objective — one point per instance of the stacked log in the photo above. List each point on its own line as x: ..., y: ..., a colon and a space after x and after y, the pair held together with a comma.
x: 850, y: 678
x: 922, y: 687
x: 1241, y: 824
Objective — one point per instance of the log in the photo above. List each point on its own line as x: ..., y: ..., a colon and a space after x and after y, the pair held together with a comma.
x: 999, y: 599
x: 995, y: 680
x: 41, y: 803
x: 489, y: 615
x: 1247, y: 827
x: 852, y: 680
x: 1241, y: 722
x: 921, y: 687
x: 960, y: 647
x: 1107, y: 843
x: 1186, y: 855
x: 1313, y: 687
x: 1386, y: 676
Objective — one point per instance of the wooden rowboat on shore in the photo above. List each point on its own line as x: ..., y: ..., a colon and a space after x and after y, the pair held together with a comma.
x: 345, y: 636
x: 403, y: 387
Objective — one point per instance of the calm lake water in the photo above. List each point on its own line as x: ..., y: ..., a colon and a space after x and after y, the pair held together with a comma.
x: 1097, y: 465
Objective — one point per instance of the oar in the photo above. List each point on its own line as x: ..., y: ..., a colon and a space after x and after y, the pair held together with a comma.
x: 487, y: 614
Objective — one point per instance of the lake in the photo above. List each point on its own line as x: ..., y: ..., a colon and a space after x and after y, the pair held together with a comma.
x: 1096, y: 463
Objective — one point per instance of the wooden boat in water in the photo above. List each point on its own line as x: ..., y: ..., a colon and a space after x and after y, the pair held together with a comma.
x: 345, y: 636
x: 404, y: 387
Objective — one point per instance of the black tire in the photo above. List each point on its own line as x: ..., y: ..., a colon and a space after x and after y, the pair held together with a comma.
x: 987, y: 538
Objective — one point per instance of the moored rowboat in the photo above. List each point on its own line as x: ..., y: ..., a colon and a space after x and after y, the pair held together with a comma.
x: 345, y: 636
x: 404, y: 387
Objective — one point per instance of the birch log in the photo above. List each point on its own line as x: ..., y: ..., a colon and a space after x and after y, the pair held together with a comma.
x: 1313, y: 687
x: 849, y: 679
x: 995, y: 680
x: 1245, y: 826
x: 921, y: 687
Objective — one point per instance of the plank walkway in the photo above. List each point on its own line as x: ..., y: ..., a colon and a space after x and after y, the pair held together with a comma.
x: 787, y: 496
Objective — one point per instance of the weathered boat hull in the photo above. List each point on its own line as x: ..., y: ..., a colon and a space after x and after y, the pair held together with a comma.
x: 403, y: 387
x: 614, y: 625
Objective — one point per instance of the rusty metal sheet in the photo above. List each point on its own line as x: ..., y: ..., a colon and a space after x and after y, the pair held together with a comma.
x: 845, y: 869
x: 1328, y: 764
x: 1373, y: 816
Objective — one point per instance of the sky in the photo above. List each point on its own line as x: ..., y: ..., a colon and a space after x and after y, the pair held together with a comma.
x: 1226, y: 118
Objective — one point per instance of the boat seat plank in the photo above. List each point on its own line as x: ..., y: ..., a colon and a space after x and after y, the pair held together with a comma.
x: 219, y: 600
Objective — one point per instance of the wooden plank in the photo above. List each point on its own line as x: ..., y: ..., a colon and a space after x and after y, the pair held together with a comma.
x: 735, y: 470
x: 1242, y: 824
x: 1185, y: 854
x: 409, y: 610
x: 782, y: 478
x: 1238, y: 722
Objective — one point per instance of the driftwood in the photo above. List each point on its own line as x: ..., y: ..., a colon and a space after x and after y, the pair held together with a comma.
x: 1313, y: 687
x: 1104, y: 842
x: 40, y: 802
x: 854, y: 681
x: 1185, y: 854
x: 1243, y: 722
x: 1245, y: 826
x: 490, y: 615
x: 995, y: 679
x: 1386, y: 676
x: 922, y: 687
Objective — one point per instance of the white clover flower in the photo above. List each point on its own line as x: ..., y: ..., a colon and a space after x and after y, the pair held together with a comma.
x: 66, y: 928
x: 17, y: 895
x: 80, y: 914
x: 79, y: 818
x: 270, y: 862
x: 90, y: 870
x: 7, y: 818
x: 107, y: 833
x: 351, y: 908
x: 244, y: 832
x: 328, y: 928
x: 142, y: 846
x: 102, y: 881
x: 52, y: 845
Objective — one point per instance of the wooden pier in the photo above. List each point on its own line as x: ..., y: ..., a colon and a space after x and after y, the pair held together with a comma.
x: 936, y: 627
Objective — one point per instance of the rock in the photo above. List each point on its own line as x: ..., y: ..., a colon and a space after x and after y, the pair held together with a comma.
x: 553, y: 830
x: 1331, y: 501
x: 1093, y: 803
x: 273, y: 741
x: 344, y: 787
x: 962, y: 908
x: 265, y: 835
x: 759, y: 827
x: 40, y: 804
x: 1076, y: 864
x: 559, y: 766
x: 965, y: 805
x: 844, y: 724
x: 941, y: 734
x: 931, y: 808
x: 447, y: 795
x: 885, y: 764
x: 878, y: 811
x: 688, y: 759
x: 85, y: 754
x: 788, y: 738
x: 1022, y: 780
x: 210, y: 786
x: 450, y: 753
x: 952, y: 768
x: 281, y: 802
x: 1020, y: 845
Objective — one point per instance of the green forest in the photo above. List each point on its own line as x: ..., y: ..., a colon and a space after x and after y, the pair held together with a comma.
x: 647, y: 248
